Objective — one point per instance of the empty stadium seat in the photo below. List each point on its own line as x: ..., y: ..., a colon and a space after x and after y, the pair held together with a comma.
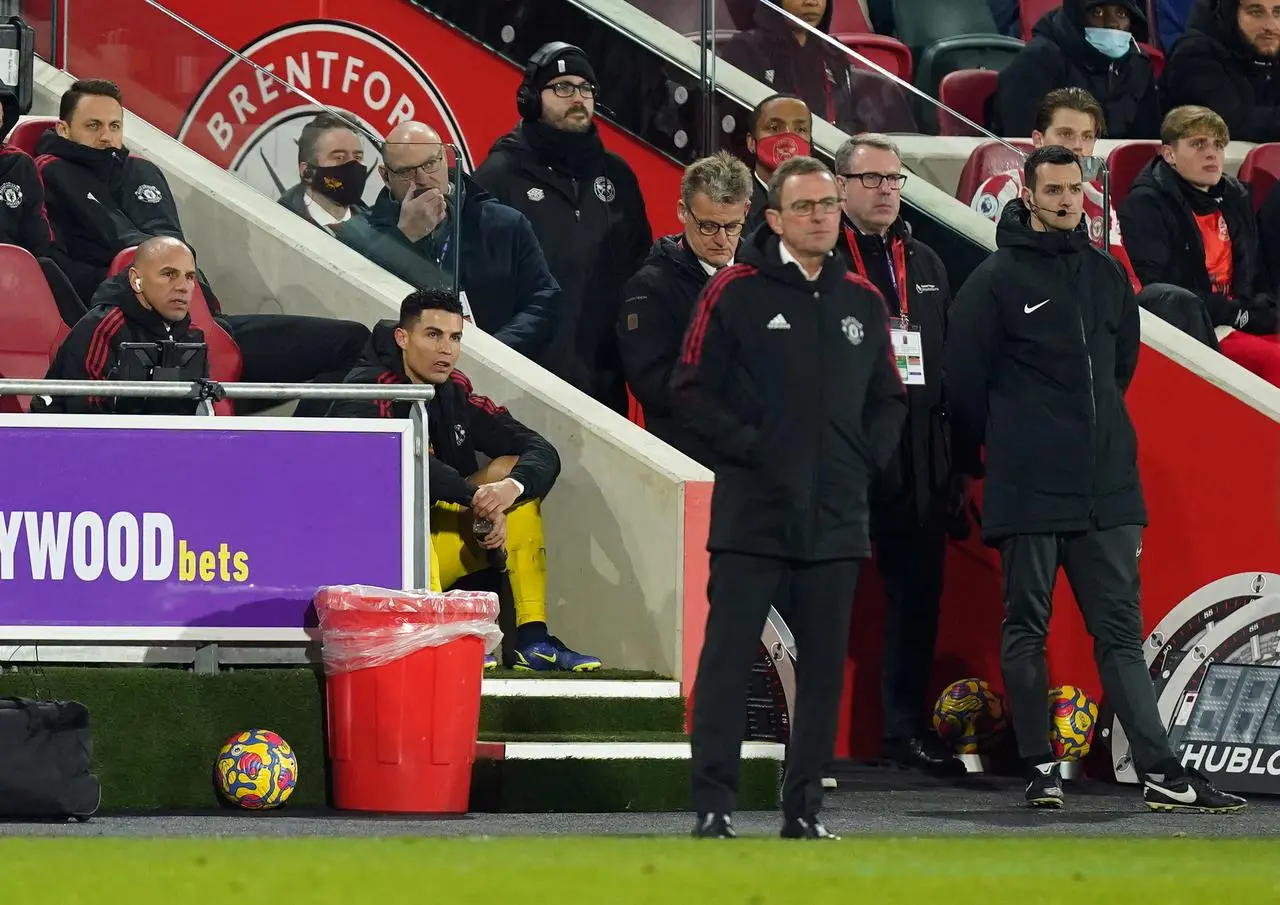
x: 28, y: 131
x: 848, y: 17
x: 1032, y: 11
x: 31, y: 327
x: 890, y: 53
x: 968, y: 91
x: 924, y: 22
x: 225, y: 363
x: 686, y: 18
x: 988, y: 159
x: 941, y: 58
x: 1125, y: 163
x: 1260, y: 170
x: 722, y: 35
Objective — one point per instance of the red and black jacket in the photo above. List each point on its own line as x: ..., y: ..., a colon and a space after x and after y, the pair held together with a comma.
x: 460, y: 423
x: 22, y: 217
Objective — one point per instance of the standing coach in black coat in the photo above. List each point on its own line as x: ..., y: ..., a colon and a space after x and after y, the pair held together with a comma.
x: 913, y: 500
x: 787, y: 374
x: 1043, y: 343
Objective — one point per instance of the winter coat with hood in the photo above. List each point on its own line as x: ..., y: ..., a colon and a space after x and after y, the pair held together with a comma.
x: 460, y: 423
x: 595, y: 233
x: 655, y: 314
x: 1042, y: 345
x: 1213, y: 66
x: 792, y: 384
x: 1165, y: 244
x: 91, y: 350
x: 23, y: 222
x: 852, y: 99
x: 1058, y: 56
x: 512, y: 294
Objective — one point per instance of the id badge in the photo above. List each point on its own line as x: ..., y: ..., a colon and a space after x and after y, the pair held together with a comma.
x: 908, y: 351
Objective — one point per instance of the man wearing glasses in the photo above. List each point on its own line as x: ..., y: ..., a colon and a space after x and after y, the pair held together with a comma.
x: 659, y: 299
x: 505, y: 287
x: 917, y: 497
x: 787, y: 375
x: 586, y: 209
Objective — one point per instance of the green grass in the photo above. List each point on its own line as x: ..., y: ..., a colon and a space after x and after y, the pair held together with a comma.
x: 637, y: 871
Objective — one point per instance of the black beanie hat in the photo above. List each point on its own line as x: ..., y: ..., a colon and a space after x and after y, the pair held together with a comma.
x: 568, y: 62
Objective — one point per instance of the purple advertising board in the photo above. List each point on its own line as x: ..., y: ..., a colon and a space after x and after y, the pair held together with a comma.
x: 150, y: 528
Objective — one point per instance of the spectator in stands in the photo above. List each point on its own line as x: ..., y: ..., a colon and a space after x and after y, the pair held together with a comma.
x: 101, y: 200
x: 1042, y: 346
x: 1171, y: 20
x: 331, y: 171
x: 1192, y: 225
x: 779, y: 128
x: 423, y: 347
x: 1227, y: 60
x: 789, y: 58
x: 505, y: 287
x: 1269, y: 241
x: 912, y: 500
x: 1071, y: 118
x: 23, y: 222
x: 714, y: 200
x: 585, y: 206
x: 153, y: 306
x: 1084, y: 44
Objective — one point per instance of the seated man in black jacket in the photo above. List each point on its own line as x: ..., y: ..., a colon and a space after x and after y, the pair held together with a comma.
x: 506, y: 289
x: 714, y: 201
x: 1189, y: 224
x: 101, y: 200
x: 423, y: 347
x: 153, y: 306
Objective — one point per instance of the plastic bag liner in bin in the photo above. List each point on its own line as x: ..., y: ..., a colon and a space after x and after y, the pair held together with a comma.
x: 362, y: 626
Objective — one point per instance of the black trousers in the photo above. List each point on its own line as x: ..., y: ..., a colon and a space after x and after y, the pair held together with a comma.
x: 288, y: 348
x: 910, y: 558
x: 819, y: 597
x: 1102, y: 569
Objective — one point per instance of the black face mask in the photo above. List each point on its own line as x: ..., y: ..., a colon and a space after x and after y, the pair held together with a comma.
x: 343, y: 184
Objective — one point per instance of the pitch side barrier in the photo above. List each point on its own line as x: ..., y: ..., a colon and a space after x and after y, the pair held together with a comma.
x: 616, y: 519
x: 161, y: 538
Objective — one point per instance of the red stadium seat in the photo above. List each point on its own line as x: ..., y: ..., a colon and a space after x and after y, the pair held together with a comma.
x: 225, y: 363
x: 988, y: 159
x: 1260, y: 170
x: 967, y: 91
x: 31, y: 327
x: 890, y: 53
x: 1157, y: 58
x: 848, y: 18
x: 1125, y: 163
x: 1031, y: 11
x: 28, y: 131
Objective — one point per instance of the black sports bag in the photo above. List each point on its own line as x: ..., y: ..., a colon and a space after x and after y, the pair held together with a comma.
x: 45, y: 751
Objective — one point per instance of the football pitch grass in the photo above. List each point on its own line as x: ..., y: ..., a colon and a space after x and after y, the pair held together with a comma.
x: 634, y: 870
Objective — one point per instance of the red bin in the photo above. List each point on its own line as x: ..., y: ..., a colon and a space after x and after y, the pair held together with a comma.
x: 403, y: 680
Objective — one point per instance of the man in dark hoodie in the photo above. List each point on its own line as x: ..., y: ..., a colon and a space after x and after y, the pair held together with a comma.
x: 1042, y: 345
x: 915, y: 499
x: 787, y: 375
x: 1226, y: 61
x: 423, y: 347
x: 331, y: 171
x: 505, y: 287
x: 152, y: 305
x: 1189, y: 224
x: 713, y: 206
x: 790, y: 59
x: 1084, y: 44
x: 586, y: 209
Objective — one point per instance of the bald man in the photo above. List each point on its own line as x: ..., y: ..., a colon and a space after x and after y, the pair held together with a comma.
x: 505, y: 286
x: 151, y: 304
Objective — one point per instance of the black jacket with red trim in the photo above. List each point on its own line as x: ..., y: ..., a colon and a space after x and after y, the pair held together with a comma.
x: 921, y: 473
x: 793, y: 386
x: 91, y: 350
x: 22, y: 217
x: 460, y: 423
x: 100, y: 202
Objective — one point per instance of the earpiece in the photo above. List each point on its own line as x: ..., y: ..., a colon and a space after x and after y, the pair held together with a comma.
x: 137, y: 285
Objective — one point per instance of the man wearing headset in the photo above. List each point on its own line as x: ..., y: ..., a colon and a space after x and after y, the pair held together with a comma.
x: 585, y: 206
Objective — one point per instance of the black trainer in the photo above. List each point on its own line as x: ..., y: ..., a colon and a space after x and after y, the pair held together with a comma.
x: 805, y: 828
x: 1044, y: 786
x: 1188, y: 792
x: 714, y: 826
